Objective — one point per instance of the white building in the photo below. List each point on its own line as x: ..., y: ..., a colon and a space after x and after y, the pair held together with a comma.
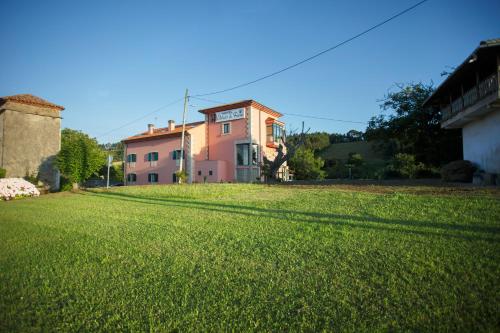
x: 470, y: 99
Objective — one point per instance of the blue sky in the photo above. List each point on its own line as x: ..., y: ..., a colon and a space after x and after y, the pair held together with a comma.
x: 110, y: 62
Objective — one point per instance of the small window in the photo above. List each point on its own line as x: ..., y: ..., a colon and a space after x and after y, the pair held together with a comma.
x: 131, y: 177
x: 153, y: 178
x: 226, y: 128
x: 176, y: 154
x: 131, y: 158
x: 199, y: 172
x: 210, y: 173
x: 153, y: 156
x: 174, y: 178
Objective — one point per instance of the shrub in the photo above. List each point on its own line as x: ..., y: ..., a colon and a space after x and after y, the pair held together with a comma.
x: 403, y: 166
x: 13, y: 188
x: 307, y: 166
x: 3, y: 172
x: 458, y: 171
x: 181, y: 175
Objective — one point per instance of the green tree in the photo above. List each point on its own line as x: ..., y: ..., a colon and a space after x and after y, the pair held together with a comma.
x: 80, y: 156
x: 305, y: 165
x: 315, y: 141
x: 412, y: 129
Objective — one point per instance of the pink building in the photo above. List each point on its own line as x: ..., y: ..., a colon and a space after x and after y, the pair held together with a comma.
x: 229, y: 145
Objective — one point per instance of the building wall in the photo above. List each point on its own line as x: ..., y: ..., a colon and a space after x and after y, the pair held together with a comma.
x: 30, y: 141
x: 222, y: 146
x: 481, y: 142
x: 166, y: 166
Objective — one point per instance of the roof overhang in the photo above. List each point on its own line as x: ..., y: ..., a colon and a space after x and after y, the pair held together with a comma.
x: 241, y: 104
x: 483, y: 48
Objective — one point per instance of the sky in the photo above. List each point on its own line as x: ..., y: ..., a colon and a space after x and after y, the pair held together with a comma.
x: 112, y: 62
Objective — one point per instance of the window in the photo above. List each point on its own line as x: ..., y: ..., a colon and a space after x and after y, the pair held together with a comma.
x: 153, y: 178
x: 176, y: 154
x: 131, y: 177
x: 131, y: 158
x: 174, y: 178
x: 277, y: 132
x: 153, y: 156
x: 199, y: 172
x: 244, y: 156
x: 274, y: 133
x: 210, y: 173
x: 226, y: 128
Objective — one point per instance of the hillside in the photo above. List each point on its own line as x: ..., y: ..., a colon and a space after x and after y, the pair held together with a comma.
x: 342, y: 150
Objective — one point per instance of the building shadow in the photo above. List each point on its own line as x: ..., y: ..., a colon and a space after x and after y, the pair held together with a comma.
x: 423, y: 228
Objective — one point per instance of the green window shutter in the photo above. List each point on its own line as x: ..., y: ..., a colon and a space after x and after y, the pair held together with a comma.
x: 149, y: 157
x: 174, y: 155
x: 134, y: 157
x: 155, y: 156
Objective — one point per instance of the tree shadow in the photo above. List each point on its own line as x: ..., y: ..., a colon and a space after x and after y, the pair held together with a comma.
x: 363, y: 222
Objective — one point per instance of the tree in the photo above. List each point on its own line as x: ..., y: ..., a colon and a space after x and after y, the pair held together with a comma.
x: 354, y: 135
x: 413, y: 129
x: 315, y: 141
x: 307, y: 166
x: 80, y: 156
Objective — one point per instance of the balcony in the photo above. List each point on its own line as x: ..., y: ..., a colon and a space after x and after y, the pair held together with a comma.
x: 471, y: 104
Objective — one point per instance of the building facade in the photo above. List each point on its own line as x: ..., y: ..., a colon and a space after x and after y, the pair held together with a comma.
x: 30, y: 137
x: 470, y: 99
x: 229, y: 145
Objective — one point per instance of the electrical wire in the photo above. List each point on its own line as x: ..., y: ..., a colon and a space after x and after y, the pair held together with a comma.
x: 317, y: 54
x: 142, y: 117
x: 295, y: 114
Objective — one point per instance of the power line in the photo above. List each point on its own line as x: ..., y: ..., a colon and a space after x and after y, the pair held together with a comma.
x: 324, y: 118
x: 294, y: 114
x: 144, y: 116
x: 317, y: 54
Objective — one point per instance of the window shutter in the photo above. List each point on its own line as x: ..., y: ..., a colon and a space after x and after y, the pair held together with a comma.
x: 174, y: 155
x: 149, y: 157
x: 155, y: 156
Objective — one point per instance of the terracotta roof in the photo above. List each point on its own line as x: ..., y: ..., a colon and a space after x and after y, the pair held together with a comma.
x: 161, y: 132
x: 242, y: 104
x: 30, y: 100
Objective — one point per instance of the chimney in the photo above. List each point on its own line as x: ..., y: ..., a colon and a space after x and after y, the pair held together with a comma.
x: 151, y: 128
x: 171, y: 125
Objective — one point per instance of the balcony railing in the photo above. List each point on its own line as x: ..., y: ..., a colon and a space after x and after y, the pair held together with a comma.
x: 485, y: 88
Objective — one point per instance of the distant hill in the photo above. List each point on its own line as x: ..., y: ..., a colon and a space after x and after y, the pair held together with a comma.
x: 342, y: 150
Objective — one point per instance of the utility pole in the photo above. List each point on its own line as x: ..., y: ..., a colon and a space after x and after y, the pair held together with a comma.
x: 186, y: 99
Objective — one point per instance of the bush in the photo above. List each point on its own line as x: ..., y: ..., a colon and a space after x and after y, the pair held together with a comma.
x: 3, y: 173
x: 458, y: 171
x: 307, y: 166
x: 335, y: 168
x: 14, y: 188
x: 403, y: 166
x: 181, y: 175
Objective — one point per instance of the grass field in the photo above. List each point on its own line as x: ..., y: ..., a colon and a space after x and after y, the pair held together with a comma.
x: 252, y: 257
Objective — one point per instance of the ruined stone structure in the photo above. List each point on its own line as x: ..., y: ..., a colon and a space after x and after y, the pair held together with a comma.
x: 30, y: 137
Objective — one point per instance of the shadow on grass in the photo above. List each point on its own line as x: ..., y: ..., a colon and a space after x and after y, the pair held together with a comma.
x: 368, y: 222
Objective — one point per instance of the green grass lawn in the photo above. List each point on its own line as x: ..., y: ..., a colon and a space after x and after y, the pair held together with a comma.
x: 251, y: 257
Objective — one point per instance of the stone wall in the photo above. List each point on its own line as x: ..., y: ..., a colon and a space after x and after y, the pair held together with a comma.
x: 30, y: 141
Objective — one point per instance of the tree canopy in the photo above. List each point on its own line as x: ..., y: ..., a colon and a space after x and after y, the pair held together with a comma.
x: 80, y: 156
x: 412, y: 129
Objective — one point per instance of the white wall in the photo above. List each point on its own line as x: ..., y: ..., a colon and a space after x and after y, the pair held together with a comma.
x: 481, y: 140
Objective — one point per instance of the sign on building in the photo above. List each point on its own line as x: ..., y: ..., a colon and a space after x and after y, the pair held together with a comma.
x: 230, y: 115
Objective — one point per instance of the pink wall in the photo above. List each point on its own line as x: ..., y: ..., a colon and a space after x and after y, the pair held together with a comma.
x: 207, y: 149
x: 203, y: 168
x: 165, y: 167
x: 222, y: 147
